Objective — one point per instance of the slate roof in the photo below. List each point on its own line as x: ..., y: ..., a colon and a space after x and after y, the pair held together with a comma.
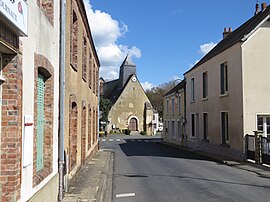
x: 112, y: 90
x: 179, y: 86
x: 234, y: 37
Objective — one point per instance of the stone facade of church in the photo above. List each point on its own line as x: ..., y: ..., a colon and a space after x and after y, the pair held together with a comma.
x: 131, y: 108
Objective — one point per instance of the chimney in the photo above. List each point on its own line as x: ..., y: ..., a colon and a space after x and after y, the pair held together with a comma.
x: 264, y: 5
x: 226, y: 32
x: 257, y: 7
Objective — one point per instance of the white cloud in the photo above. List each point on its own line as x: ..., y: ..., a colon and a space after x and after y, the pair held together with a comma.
x: 109, y: 72
x: 106, y: 31
x: 147, y: 86
x: 205, y: 48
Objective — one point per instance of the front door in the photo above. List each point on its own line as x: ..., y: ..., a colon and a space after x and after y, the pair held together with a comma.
x: 263, y: 124
x: 133, y: 125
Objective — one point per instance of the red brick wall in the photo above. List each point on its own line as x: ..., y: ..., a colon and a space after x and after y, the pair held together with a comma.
x: 90, y: 69
x: 47, y: 7
x: 74, y: 41
x: 89, y: 127
x: 83, y: 135
x: 11, y: 135
x: 73, y: 123
x: 84, y: 58
x: 43, y: 65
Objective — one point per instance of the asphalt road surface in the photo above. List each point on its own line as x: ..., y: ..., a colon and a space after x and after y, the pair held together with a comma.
x: 145, y: 170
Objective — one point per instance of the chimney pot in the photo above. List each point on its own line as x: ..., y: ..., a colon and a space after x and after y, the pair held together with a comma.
x: 257, y: 7
x: 226, y: 32
x: 264, y: 5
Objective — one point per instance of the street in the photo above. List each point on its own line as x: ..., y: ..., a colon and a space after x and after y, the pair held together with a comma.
x: 147, y: 170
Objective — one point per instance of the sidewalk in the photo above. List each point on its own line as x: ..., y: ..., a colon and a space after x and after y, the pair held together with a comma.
x: 90, y: 183
x: 260, y: 170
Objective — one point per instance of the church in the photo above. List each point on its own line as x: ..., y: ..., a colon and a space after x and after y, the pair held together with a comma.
x: 131, y: 108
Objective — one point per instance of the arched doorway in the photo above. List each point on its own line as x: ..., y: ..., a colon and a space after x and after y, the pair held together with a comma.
x: 133, y: 124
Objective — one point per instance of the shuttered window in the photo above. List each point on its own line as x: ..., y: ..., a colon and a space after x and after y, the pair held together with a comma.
x: 40, y: 121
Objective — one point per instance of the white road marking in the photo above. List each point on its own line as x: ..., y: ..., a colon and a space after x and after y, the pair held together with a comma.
x: 110, y: 140
x: 146, y: 140
x: 125, y: 195
x: 118, y: 140
x: 103, y: 140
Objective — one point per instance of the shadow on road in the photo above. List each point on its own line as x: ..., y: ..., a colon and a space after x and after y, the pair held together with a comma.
x: 155, y: 147
x: 190, y: 178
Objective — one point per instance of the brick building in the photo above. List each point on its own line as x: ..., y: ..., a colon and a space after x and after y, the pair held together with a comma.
x: 81, y: 89
x: 29, y: 100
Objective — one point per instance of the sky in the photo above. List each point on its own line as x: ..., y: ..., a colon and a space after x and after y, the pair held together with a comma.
x: 164, y: 37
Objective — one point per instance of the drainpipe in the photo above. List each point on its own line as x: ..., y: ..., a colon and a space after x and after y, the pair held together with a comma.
x: 62, y: 96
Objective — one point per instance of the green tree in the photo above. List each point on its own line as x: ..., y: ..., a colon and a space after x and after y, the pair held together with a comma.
x: 104, y: 106
x: 156, y: 94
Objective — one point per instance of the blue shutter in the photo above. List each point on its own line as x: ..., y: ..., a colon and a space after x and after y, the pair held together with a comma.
x: 40, y: 121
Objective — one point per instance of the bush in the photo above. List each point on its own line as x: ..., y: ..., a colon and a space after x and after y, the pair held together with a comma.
x: 127, y: 132
x: 143, y: 133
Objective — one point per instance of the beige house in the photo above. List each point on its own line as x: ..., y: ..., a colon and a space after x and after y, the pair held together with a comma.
x: 81, y: 90
x: 227, y: 90
x: 174, y: 119
x: 131, y: 108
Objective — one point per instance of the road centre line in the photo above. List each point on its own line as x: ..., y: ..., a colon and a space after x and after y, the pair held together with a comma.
x: 125, y: 195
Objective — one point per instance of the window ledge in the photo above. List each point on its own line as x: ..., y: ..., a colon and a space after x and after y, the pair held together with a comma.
x: 224, y: 95
x: 192, y: 101
x: 204, y: 99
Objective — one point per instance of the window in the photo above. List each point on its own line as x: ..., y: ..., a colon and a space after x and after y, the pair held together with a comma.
x: 97, y: 78
x: 192, y: 90
x: 179, y: 104
x: 173, y: 130
x: 84, y: 60
x: 173, y: 105
x: 205, y: 85
x: 193, y: 125
x: 40, y: 120
x: 223, y: 78
x: 263, y: 124
x: 74, y: 41
x: 224, y: 127
x: 89, y: 127
x: 167, y: 106
x: 205, y: 126
x: 179, y: 132
x: 90, y: 70
x: 94, y: 78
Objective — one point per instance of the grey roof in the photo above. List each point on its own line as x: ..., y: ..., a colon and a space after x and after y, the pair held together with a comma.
x: 234, y: 37
x: 110, y: 88
x: 112, y: 91
x: 128, y: 61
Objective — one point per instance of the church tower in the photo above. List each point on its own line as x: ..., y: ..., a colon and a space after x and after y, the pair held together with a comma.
x: 127, y: 69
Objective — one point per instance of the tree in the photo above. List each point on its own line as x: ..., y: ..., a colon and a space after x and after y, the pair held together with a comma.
x: 104, y: 106
x: 155, y: 95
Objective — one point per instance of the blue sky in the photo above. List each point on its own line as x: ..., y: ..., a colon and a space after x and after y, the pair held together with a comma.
x: 165, y: 38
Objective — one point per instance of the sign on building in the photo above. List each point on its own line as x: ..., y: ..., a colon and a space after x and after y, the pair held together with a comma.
x: 14, y: 14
